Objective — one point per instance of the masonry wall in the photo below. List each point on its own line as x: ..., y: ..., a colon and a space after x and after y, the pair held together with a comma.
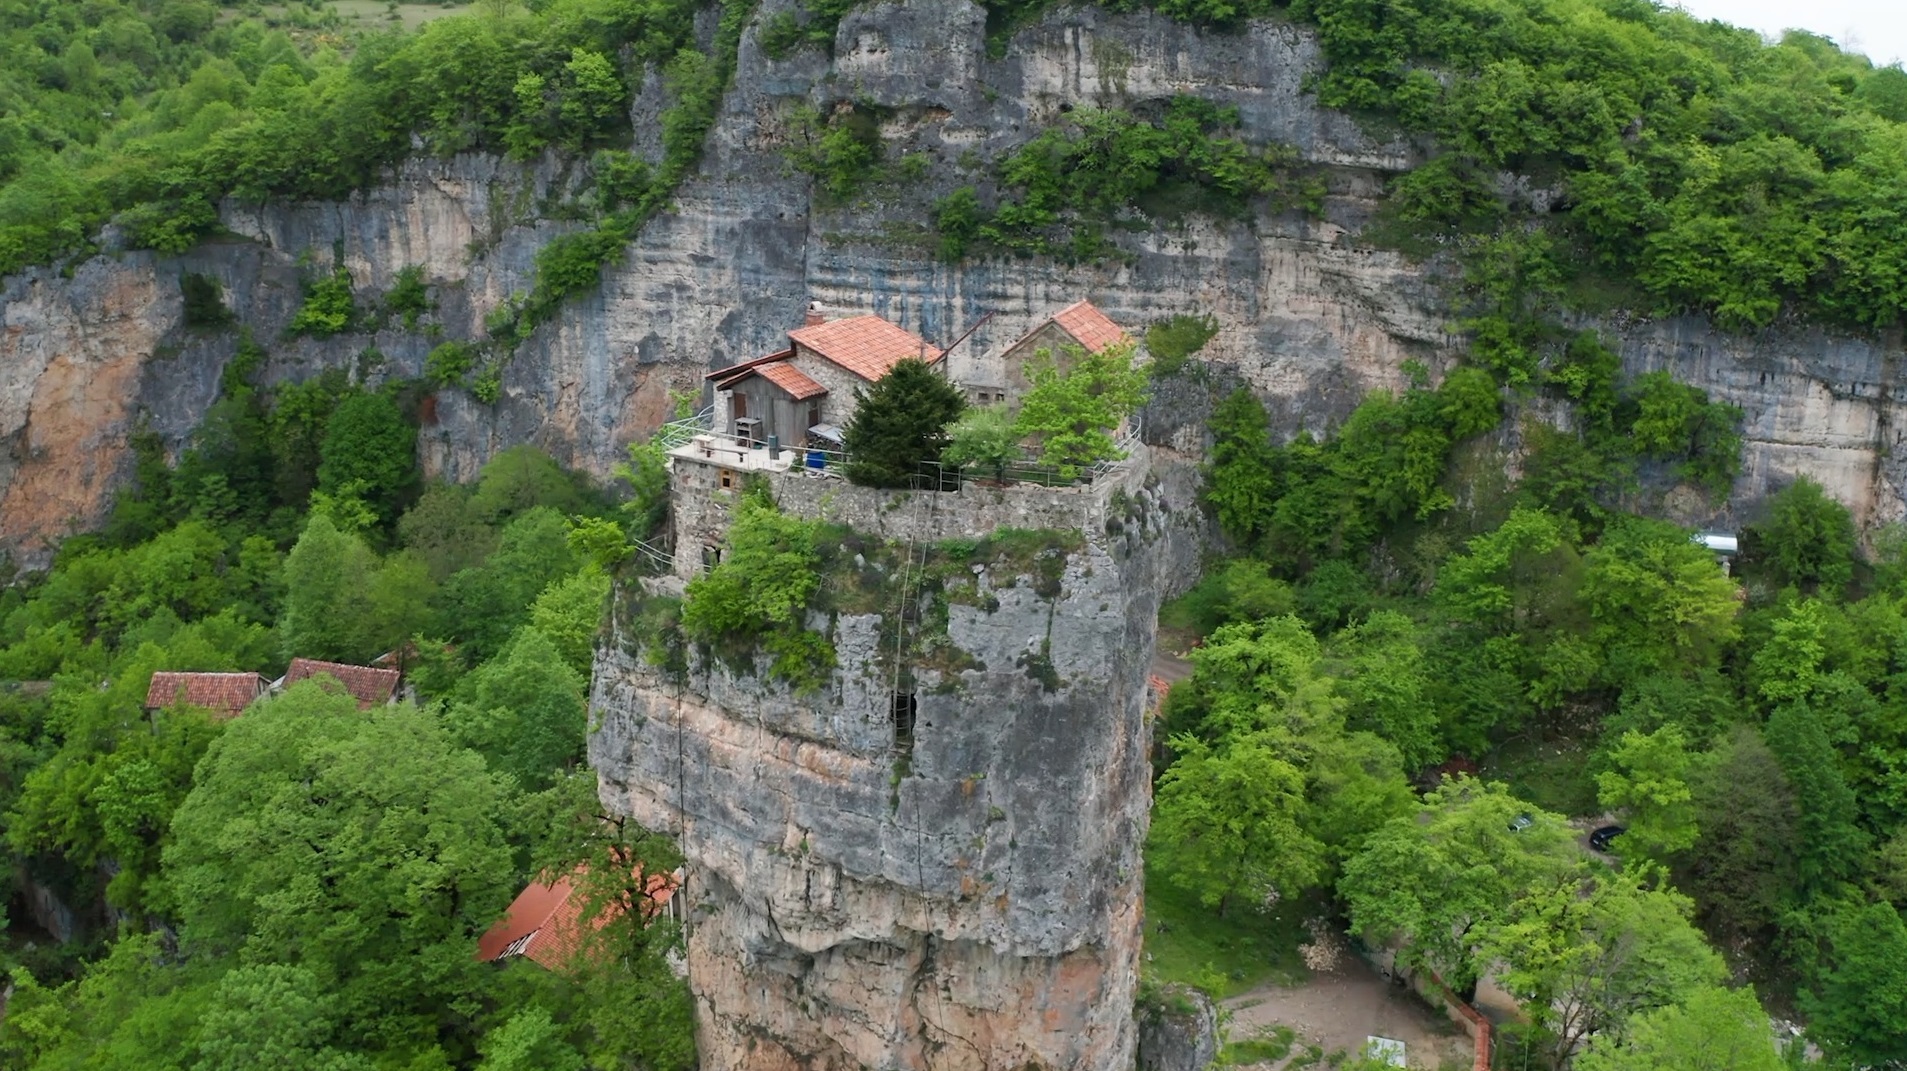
x: 700, y: 506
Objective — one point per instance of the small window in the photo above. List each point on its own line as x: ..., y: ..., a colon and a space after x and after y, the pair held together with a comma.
x: 711, y: 556
x: 728, y: 479
x: 902, y: 708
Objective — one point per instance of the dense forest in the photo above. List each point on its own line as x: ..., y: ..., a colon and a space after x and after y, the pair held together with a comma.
x: 1389, y: 606
x: 304, y: 884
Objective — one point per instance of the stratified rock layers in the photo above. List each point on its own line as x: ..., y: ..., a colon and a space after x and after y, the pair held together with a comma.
x: 970, y: 902
x: 1308, y: 317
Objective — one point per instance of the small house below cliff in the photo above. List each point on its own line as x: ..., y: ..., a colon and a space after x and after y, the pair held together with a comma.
x: 545, y: 921
x: 369, y: 685
x: 223, y: 694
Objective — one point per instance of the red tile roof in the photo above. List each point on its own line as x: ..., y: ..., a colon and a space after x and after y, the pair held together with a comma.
x: 1088, y: 326
x: 868, y: 346
x: 545, y: 924
x: 736, y: 369
x: 371, y: 687
x: 791, y: 379
x: 224, y: 694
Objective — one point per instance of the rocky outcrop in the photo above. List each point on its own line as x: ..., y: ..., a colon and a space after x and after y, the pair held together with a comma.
x: 964, y: 894
x: 1178, y: 1030
x: 1310, y: 318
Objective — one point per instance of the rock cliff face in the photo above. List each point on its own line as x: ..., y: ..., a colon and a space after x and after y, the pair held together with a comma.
x: 960, y: 894
x: 1309, y: 318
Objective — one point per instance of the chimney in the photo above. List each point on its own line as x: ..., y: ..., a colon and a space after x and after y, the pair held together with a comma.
x: 814, y: 317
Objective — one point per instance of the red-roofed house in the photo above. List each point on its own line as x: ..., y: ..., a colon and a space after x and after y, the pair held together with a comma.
x: 544, y: 923
x: 370, y: 686
x: 1079, y: 324
x: 810, y: 385
x: 224, y: 694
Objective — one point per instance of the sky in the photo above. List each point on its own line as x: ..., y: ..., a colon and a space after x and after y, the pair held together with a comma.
x: 1876, y: 27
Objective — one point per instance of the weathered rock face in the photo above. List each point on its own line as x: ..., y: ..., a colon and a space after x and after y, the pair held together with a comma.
x: 966, y: 897
x: 1178, y: 1031
x: 1309, y: 318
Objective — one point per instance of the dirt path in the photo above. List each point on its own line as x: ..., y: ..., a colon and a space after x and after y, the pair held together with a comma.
x: 1342, y: 1006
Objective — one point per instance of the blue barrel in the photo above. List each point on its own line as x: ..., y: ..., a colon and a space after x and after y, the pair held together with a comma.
x: 817, y: 459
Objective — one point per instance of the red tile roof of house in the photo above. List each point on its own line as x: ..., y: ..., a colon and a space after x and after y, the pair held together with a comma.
x: 224, y: 694
x: 1088, y: 326
x: 545, y: 924
x: 735, y: 370
x: 868, y: 346
x: 371, y: 687
x: 791, y: 379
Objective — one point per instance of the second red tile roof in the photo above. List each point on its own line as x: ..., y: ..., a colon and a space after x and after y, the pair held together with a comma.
x: 868, y: 346
x: 224, y: 694
x: 545, y: 922
x: 370, y: 687
x: 1093, y: 329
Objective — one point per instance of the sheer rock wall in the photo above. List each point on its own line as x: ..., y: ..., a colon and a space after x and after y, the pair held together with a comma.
x: 1309, y: 318
x: 970, y: 901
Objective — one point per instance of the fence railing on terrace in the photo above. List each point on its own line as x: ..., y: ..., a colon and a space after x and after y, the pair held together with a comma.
x: 1024, y: 470
x: 678, y: 432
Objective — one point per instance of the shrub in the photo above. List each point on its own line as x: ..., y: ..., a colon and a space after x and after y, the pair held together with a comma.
x: 1173, y: 342
x: 328, y: 308
x: 408, y: 296
x: 758, y: 595
x: 449, y: 363
x: 204, y: 301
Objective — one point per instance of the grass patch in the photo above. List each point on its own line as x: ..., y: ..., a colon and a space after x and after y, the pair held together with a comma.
x: 1186, y: 943
x: 1269, y: 1047
x: 1553, y: 774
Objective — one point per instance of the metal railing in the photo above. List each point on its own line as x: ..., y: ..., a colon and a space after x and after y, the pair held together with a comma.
x: 678, y: 432
x: 653, y: 557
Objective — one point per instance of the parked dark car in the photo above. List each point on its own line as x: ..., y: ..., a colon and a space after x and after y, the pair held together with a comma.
x: 1601, y: 838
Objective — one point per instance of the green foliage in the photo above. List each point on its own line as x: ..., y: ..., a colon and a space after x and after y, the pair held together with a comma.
x: 1242, y: 479
x: 204, y: 301
x: 984, y: 439
x: 408, y: 297
x: 449, y: 362
x: 1225, y: 823
x: 570, y: 612
x: 900, y: 425
x: 1444, y: 878
x: 369, y: 451
x: 1101, y: 169
x: 328, y: 308
x: 647, y: 474
x: 412, y: 865
x: 1173, y: 342
x: 1807, y: 540
x: 1711, y: 1029
x: 758, y: 595
x: 1077, y: 400
x: 841, y: 153
x: 1859, y: 990
x: 1660, y: 602
x: 1648, y: 783
x: 524, y: 710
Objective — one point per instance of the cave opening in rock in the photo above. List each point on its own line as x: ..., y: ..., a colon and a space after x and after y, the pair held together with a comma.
x: 902, y: 709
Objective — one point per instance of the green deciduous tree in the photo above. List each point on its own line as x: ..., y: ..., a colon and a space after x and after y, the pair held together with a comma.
x: 758, y: 594
x: 985, y: 440
x: 1857, y: 997
x: 1648, y: 781
x: 570, y: 612
x: 370, y: 451
x: 361, y: 846
x: 1807, y: 540
x: 1743, y: 869
x: 1712, y: 1029
x: 1225, y: 823
x: 1078, y: 400
x: 899, y: 423
x: 1241, y: 480
x: 1585, y: 956
x: 1661, y: 603
x: 524, y: 710
x: 1441, y: 879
